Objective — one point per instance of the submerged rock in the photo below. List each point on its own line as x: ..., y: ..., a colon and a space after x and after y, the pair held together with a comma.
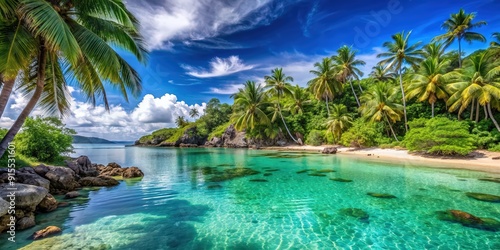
x: 317, y: 174
x: 497, y: 180
x: 48, y: 204
x: 340, y: 180
x: 302, y: 171
x: 381, y: 195
x: 268, y: 174
x: 484, y: 197
x: 48, y: 231
x: 71, y: 195
x: 469, y: 220
x: 272, y: 170
x: 259, y: 180
x: 98, y: 181
x: 355, y: 212
x: 325, y: 171
x: 26, y: 222
x: 214, y: 186
x: 232, y: 173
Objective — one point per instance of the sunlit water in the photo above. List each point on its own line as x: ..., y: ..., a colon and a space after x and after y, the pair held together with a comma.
x: 172, y: 208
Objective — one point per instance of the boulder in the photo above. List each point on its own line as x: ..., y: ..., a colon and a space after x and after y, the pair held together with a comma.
x: 4, y: 207
x: 48, y: 204
x: 132, y: 172
x: 41, y: 169
x: 83, y: 167
x: 27, y: 196
x: 28, y: 175
x: 62, y: 180
x: 214, y: 142
x: 234, y: 139
x: 98, y: 181
x: 71, y: 195
x: 484, y: 197
x: 4, y: 220
x: 114, y: 165
x: 329, y: 150
x: 25, y: 222
x: 469, y: 220
x: 48, y: 231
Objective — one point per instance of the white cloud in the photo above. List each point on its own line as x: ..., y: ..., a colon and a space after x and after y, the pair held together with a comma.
x: 164, y: 21
x: 227, y: 89
x: 219, y: 67
x: 118, y: 124
x: 370, y: 59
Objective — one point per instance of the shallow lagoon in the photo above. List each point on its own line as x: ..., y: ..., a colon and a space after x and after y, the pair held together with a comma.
x: 175, y: 207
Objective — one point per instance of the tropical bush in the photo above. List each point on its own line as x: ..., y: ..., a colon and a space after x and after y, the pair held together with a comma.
x: 361, y: 134
x: 315, y: 138
x: 44, y: 139
x: 439, y: 136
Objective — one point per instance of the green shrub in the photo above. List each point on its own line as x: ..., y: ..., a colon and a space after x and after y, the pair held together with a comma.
x: 44, y: 139
x: 218, y: 131
x: 495, y: 148
x: 439, y: 136
x: 361, y: 134
x: 315, y: 137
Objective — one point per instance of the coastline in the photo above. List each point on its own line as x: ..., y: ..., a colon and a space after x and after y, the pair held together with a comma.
x: 483, y: 163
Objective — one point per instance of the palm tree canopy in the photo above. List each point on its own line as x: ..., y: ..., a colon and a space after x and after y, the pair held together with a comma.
x: 400, y: 52
x: 278, y: 83
x: 346, y: 64
x: 380, y: 73
x: 250, y: 104
x: 300, y: 99
x: 379, y: 102
x: 459, y: 26
x: 324, y: 85
x: 339, y: 120
x: 434, y: 50
x: 495, y: 44
x: 429, y: 82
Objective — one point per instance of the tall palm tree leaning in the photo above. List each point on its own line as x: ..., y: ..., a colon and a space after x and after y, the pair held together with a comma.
x: 324, y: 86
x: 429, y: 82
x: 479, y: 81
x: 379, y: 105
x: 76, y: 36
x: 339, y: 121
x: 495, y: 44
x: 458, y: 27
x: 278, y: 84
x: 249, y: 105
x: 400, y: 52
x: 346, y: 67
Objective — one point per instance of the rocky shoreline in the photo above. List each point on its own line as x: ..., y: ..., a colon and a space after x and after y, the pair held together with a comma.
x: 30, y: 190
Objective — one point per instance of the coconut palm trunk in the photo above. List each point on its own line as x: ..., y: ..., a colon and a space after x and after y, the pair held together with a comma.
x: 485, y: 113
x: 492, y: 117
x: 390, y: 126
x: 472, y: 109
x: 432, y: 107
x: 354, y: 92
x: 359, y: 85
x: 7, y: 87
x: 327, y: 108
x: 404, y: 98
x: 42, y: 60
x: 284, y: 123
x: 477, y: 112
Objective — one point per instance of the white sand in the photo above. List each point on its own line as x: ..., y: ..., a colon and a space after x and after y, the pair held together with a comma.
x: 482, y: 162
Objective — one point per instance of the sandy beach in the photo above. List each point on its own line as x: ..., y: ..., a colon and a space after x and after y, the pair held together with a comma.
x: 483, y: 160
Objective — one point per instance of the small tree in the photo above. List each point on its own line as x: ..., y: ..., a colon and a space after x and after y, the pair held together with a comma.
x: 44, y: 139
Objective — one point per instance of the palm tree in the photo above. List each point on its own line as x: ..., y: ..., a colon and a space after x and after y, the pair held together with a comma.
x: 250, y: 103
x: 400, y: 52
x: 478, y: 82
x: 495, y: 44
x: 300, y: 99
x: 434, y: 50
x: 194, y: 113
x: 382, y: 74
x: 459, y: 27
x: 346, y: 67
x: 74, y: 37
x: 429, y: 82
x: 324, y: 86
x: 379, y: 105
x: 181, y: 122
x: 339, y: 121
x: 278, y: 84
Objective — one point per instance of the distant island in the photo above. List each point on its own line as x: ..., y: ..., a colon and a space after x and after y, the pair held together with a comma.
x: 78, y: 139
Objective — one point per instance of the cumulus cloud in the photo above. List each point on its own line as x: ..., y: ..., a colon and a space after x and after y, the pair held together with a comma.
x: 219, y: 67
x: 370, y: 59
x: 151, y: 113
x: 227, y: 89
x: 165, y: 21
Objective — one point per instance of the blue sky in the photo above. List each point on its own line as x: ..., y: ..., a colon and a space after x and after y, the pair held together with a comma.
x: 202, y: 49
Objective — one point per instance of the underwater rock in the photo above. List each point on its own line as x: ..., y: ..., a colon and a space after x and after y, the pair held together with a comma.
x: 340, y: 180
x: 302, y: 171
x: 98, y: 181
x: 469, y: 220
x: 26, y: 222
x: 355, y: 212
x: 48, y: 231
x: 382, y: 196
x: 497, y: 180
x: 483, y: 197
x: 272, y: 170
x: 317, y: 174
x: 214, y: 186
x: 232, y: 173
x: 258, y: 180
x: 268, y: 174
x: 48, y: 204
x: 71, y: 195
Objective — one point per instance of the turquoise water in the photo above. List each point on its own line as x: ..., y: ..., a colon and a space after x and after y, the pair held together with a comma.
x: 173, y: 208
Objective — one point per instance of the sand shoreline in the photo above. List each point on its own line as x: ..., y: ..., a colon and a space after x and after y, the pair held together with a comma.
x: 483, y: 163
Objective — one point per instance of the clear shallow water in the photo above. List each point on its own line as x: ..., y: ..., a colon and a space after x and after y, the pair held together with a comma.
x: 172, y: 208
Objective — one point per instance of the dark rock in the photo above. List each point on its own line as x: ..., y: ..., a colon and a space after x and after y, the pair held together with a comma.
x: 325, y: 171
x: 48, y: 204
x: 71, y: 195
x: 268, y: 174
x: 302, y: 171
x: 355, y: 212
x: 63, y: 204
x: 258, y: 180
x: 132, y: 172
x: 497, y: 180
x: 340, y: 180
x: 272, y: 170
x: 317, y: 174
x: 469, y: 220
x: 232, y: 173
x: 28, y: 175
x: 382, y: 196
x: 83, y: 167
x: 214, y: 142
x: 114, y: 165
x: 4, y: 220
x: 48, y: 231
x: 214, y: 186
x: 187, y: 145
x: 41, y: 169
x: 496, y: 158
x: 329, y: 150
x: 234, y: 139
x: 98, y: 181
x: 484, y: 197
x: 25, y: 222
x: 4, y: 207
x: 62, y: 180
x: 27, y: 196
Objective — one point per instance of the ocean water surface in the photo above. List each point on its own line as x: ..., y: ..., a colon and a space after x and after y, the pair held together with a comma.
x: 176, y: 206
